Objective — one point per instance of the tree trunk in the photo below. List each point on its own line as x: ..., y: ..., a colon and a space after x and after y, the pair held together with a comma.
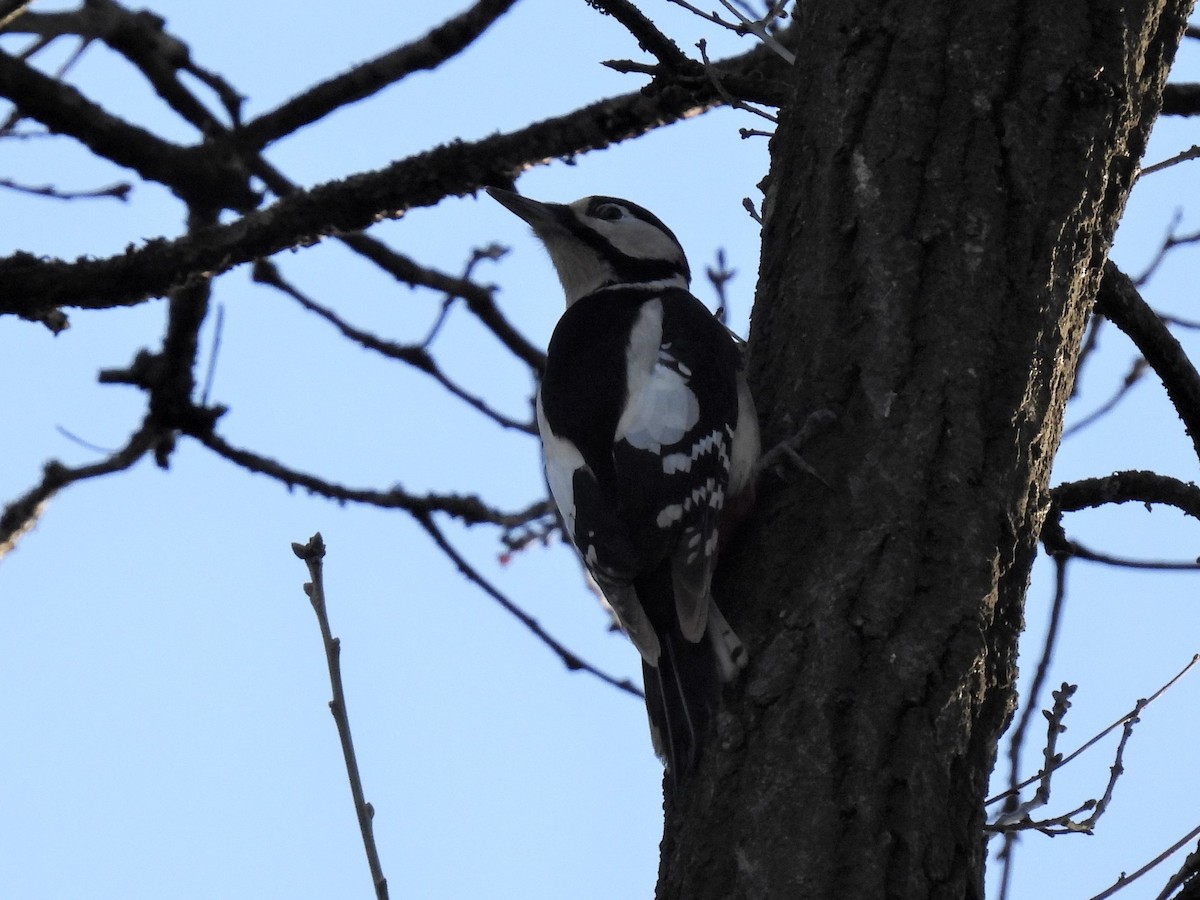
x: 945, y: 184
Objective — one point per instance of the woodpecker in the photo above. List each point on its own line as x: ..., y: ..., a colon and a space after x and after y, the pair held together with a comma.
x: 650, y: 439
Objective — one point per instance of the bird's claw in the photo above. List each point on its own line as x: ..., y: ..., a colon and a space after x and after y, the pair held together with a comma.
x: 787, y: 450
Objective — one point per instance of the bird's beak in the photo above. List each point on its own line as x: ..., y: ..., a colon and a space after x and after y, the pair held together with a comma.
x: 539, y: 216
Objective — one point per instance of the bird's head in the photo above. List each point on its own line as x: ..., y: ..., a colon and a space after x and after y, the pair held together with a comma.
x: 596, y: 242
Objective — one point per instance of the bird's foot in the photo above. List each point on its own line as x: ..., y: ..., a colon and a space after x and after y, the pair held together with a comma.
x: 788, y: 451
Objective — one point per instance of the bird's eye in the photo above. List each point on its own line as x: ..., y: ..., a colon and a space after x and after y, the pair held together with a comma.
x: 609, y: 212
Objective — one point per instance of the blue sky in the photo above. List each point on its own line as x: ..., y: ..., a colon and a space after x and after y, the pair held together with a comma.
x: 164, y: 700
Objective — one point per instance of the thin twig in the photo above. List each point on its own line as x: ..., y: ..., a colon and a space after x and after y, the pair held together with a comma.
x: 1151, y: 565
x: 1014, y: 812
x: 117, y: 191
x: 748, y: 205
x: 719, y: 276
x: 214, y: 352
x: 759, y: 27
x: 569, y: 659
x: 491, y: 252
x: 1132, y: 377
x: 414, y: 355
x: 313, y: 554
x: 1091, y: 742
x: 1016, y: 742
x: 1091, y: 342
x: 715, y: 77
x: 1192, y: 152
x: 22, y: 514
x: 1126, y: 880
x: 1187, y: 877
x: 1171, y: 241
x: 1180, y: 321
x: 649, y: 38
x: 467, y: 509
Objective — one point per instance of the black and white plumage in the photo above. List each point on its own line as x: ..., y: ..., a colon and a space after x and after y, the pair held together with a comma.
x: 650, y: 441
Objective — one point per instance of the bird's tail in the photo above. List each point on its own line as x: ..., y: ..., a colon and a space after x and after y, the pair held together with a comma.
x: 681, y: 693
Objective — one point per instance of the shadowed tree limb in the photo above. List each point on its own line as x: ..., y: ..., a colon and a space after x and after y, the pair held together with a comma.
x: 415, y: 355
x: 1126, y: 487
x: 427, y: 52
x: 192, y: 173
x: 1118, y: 301
x: 21, y: 515
x: 568, y: 658
x: 1181, y: 100
x: 35, y: 285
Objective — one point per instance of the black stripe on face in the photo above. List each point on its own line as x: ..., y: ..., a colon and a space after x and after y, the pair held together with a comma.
x: 638, y: 212
x: 632, y: 269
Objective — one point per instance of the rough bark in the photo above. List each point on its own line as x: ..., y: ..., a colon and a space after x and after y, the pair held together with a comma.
x: 945, y: 184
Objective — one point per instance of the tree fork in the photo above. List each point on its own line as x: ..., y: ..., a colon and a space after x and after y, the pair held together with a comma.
x: 945, y: 183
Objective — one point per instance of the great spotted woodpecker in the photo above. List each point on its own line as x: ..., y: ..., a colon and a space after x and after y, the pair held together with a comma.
x: 650, y: 441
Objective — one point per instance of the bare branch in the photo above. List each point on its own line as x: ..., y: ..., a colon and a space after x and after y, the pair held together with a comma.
x: 1016, y: 815
x: 22, y: 514
x: 649, y: 38
x: 313, y: 554
x: 35, y: 285
x: 480, y: 300
x: 193, y: 173
x: 760, y: 27
x: 365, y: 79
x: 1119, y: 301
x: 1014, y: 811
x: 1188, y: 878
x: 1192, y: 152
x: 467, y: 509
x: 491, y: 252
x: 720, y: 275
x: 1126, y: 487
x: 1079, y: 551
x: 1091, y: 342
x: 1120, y: 487
x: 1172, y: 241
x: 569, y: 659
x: 1180, y: 321
x: 1181, y: 100
x: 118, y: 191
x: 414, y: 355
x: 1126, y: 880
x: 1138, y: 708
x: 140, y: 37
x: 736, y: 103
x: 1132, y: 377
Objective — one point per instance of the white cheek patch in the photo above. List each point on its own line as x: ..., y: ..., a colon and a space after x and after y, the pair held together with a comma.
x: 638, y: 239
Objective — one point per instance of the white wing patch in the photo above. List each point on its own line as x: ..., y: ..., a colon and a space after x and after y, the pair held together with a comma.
x: 682, y: 462
x: 660, y: 408
x: 562, y: 460
x: 709, y: 494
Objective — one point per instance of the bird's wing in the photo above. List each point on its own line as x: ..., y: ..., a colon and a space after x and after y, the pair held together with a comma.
x: 672, y: 448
